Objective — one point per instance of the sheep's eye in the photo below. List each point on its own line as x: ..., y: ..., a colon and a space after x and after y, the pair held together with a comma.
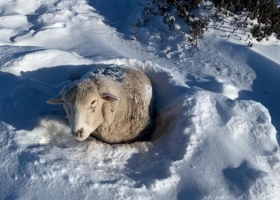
x: 93, y: 103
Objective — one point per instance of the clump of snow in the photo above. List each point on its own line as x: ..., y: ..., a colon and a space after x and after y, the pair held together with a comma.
x: 230, y: 91
x: 114, y: 72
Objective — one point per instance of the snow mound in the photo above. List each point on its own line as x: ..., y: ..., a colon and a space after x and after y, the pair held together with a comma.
x: 13, y: 21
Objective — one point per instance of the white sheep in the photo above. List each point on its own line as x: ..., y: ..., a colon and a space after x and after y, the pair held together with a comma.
x: 113, y: 104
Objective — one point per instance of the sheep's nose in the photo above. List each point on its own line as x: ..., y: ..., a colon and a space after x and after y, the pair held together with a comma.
x: 79, y: 133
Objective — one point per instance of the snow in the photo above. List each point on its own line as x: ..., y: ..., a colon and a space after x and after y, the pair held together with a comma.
x: 113, y: 71
x: 218, y: 104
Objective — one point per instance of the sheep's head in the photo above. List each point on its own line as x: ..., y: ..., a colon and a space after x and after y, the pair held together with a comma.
x: 85, y: 107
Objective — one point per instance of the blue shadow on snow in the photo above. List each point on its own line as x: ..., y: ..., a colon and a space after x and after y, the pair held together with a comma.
x: 265, y: 86
x: 23, y: 98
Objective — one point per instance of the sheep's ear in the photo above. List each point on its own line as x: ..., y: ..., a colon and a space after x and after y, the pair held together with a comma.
x: 56, y: 100
x: 109, y: 97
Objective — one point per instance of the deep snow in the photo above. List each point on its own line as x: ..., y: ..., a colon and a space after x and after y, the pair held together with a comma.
x: 221, y: 101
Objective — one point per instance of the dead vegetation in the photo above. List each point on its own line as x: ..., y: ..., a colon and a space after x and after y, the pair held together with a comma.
x: 256, y: 18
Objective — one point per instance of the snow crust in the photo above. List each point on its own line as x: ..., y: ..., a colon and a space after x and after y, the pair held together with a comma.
x: 218, y: 106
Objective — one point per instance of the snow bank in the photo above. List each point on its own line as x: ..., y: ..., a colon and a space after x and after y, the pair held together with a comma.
x: 43, y: 58
x: 220, y: 148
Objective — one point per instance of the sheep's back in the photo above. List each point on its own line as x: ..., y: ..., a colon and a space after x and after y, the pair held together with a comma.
x: 133, y: 120
x: 138, y: 88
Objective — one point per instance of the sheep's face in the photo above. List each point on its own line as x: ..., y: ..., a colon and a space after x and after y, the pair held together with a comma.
x: 84, y: 115
x: 83, y: 106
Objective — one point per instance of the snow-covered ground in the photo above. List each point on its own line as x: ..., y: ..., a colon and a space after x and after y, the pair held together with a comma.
x: 221, y: 100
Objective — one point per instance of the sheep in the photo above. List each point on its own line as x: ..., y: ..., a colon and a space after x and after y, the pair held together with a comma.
x: 113, y: 104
